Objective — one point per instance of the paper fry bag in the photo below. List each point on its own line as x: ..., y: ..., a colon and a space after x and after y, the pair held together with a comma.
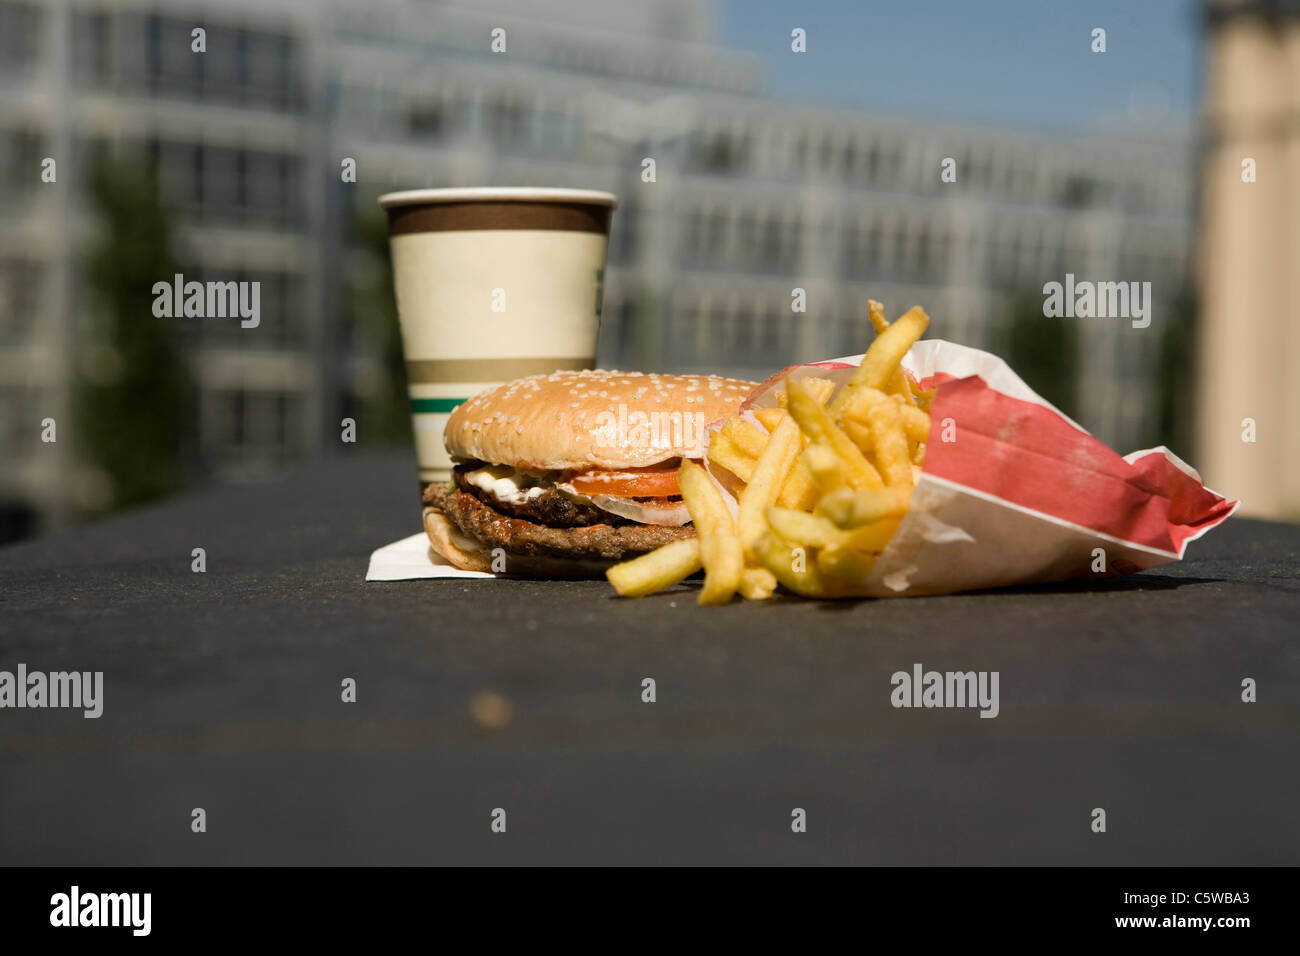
x: 1014, y: 492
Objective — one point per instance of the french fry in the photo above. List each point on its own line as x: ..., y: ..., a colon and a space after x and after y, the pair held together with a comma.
x: 871, y: 537
x: 884, y: 354
x: 890, y: 443
x: 723, y: 451
x: 899, y: 386
x: 757, y: 584
x: 861, y: 401
x: 877, y: 312
x: 850, y: 508
x: 819, y: 388
x: 719, y: 547
x: 918, y: 457
x: 824, y: 466
x: 798, y: 490
x: 853, y: 419
x: 765, y: 485
x: 803, y: 528
x: 746, y: 436
x: 657, y: 570
x: 790, y: 564
x: 914, y: 390
x: 815, y: 531
x: 769, y: 417
x: 816, y: 423
x: 915, y: 422
x: 844, y: 569
x: 859, y: 433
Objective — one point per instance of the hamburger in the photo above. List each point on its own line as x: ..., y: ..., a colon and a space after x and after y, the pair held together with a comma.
x: 564, y: 475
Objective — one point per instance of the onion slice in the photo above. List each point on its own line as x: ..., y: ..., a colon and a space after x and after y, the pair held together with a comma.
x: 671, y: 514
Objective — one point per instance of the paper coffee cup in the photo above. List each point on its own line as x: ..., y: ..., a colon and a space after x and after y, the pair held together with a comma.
x: 492, y: 284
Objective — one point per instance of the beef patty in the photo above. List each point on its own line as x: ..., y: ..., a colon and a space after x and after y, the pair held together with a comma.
x: 551, y: 507
x: 604, y: 541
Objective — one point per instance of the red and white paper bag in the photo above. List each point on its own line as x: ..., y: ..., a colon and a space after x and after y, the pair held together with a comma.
x: 1014, y: 492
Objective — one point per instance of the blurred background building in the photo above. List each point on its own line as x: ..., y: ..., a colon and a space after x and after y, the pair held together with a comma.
x: 1249, y: 393
x: 242, y: 148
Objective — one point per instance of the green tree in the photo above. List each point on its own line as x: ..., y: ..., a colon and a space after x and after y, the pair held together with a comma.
x: 385, y: 412
x: 134, y: 397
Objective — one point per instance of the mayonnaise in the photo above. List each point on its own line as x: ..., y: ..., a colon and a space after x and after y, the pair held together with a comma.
x: 506, y: 483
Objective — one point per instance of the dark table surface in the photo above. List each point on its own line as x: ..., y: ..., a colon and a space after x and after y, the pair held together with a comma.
x: 223, y: 691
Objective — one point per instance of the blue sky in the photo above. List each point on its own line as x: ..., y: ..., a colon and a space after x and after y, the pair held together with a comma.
x: 1019, y: 63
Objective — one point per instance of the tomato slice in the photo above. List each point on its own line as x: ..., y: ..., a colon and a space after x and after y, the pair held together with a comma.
x: 653, y: 482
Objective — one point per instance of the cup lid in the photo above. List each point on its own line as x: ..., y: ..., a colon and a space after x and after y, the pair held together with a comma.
x: 411, y: 197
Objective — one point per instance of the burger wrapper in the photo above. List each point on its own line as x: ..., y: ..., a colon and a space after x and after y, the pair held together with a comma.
x: 1013, y: 491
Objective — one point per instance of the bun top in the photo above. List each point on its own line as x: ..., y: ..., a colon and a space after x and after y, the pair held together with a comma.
x: 593, y: 419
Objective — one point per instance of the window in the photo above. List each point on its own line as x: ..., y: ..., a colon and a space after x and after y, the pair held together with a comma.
x: 20, y: 35
x: 268, y: 188
x: 923, y: 263
x: 773, y: 253
x: 720, y: 332
x: 20, y: 297
x: 269, y: 68
x: 746, y: 240
x: 19, y: 420
x: 220, y: 182
x: 180, y: 169
x: 717, y: 153
x: 251, y: 427
x: 873, y: 163
x: 224, y: 62
x: 426, y: 118
x: 173, y: 67
x: 92, y: 47
x: 772, y: 329
x: 1077, y: 192
x: 693, y: 248
x: 229, y: 430
x: 21, y: 152
x: 237, y: 66
x: 506, y: 119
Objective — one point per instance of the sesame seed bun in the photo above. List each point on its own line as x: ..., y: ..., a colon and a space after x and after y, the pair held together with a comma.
x: 592, y: 419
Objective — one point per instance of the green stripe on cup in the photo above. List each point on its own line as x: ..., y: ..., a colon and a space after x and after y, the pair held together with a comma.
x: 435, y: 406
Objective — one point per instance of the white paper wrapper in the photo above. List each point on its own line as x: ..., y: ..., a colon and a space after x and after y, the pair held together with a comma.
x: 1014, y: 492
x: 412, y: 558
